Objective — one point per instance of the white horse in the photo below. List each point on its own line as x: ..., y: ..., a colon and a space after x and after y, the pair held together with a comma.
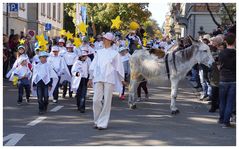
x: 148, y: 66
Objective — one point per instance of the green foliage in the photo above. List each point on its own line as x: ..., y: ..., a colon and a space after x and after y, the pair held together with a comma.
x: 224, y: 15
x: 151, y: 26
x: 101, y: 14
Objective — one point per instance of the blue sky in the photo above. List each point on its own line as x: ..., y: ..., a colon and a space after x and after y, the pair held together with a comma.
x: 159, y: 11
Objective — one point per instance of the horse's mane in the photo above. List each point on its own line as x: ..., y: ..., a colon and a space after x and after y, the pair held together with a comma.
x: 186, y: 53
x: 183, y: 54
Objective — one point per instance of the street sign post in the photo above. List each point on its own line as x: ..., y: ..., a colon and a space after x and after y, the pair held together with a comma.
x: 48, y: 26
x: 13, y: 9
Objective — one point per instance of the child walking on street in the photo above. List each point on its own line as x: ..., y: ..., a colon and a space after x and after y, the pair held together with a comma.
x: 44, y: 79
x: 24, y: 75
x: 80, y: 72
x: 125, y: 60
x: 59, y: 66
x: 70, y: 57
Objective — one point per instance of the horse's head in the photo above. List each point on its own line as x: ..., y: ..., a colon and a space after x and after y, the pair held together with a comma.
x: 203, y: 53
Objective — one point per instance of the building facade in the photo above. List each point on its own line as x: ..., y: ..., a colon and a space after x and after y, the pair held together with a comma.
x: 198, y: 16
x: 18, y: 24
x: 190, y: 18
x: 34, y: 16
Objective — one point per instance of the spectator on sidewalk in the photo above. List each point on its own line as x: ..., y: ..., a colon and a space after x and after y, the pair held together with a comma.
x: 227, y: 86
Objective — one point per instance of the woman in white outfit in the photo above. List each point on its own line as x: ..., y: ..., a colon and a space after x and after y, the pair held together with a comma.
x: 108, y: 74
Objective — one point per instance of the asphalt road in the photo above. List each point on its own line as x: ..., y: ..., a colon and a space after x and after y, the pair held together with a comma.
x: 150, y: 124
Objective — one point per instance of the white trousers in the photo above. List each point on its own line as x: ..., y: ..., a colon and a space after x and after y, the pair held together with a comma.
x: 101, y: 108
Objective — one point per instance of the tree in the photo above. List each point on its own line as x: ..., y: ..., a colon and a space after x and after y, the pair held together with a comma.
x: 151, y: 26
x: 100, y: 14
x: 68, y: 20
x: 213, y: 18
x: 227, y: 11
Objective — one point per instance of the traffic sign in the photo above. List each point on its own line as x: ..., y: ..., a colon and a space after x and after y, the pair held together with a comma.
x: 13, y: 7
x: 32, y: 33
x: 48, y: 26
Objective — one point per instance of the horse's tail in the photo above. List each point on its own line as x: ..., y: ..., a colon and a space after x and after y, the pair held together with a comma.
x: 134, y: 67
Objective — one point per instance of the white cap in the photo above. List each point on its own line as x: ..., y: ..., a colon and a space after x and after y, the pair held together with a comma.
x: 22, y: 58
x: 61, y: 40
x: 83, y: 53
x: 109, y: 36
x: 54, y: 48
x: 21, y: 46
x: 122, y: 49
x: 43, y: 53
x: 69, y: 45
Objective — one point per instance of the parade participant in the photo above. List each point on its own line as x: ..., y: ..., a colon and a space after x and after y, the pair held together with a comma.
x: 35, y: 59
x: 168, y: 44
x: 86, y: 47
x: 20, y: 53
x: 62, y: 48
x: 44, y: 81
x: 70, y: 57
x: 98, y: 43
x: 59, y: 66
x: 227, y: 85
x: 133, y: 40
x: 80, y: 72
x: 108, y: 72
x: 24, y: 75
x: 125, y: 60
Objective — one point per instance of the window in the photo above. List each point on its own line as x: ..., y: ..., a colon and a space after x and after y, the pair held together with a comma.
x: 49, y: 10
x: 43, y: 9
x: 54, y: 11
x: 59, y: 12
x: 22, y: 6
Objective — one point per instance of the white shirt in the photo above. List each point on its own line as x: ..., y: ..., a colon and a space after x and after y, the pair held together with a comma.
x: 98, y: 45
x: 42, y: 72
x: 87, y: 48
x: 107, y: 66
x: 56, y: 63
x: 70, y: 58
x: 81, y: 67
x: 17, y: 63
x: 62, y: 50
x: 167, y: 47
x: 35, y: 60
x: 22, y: 71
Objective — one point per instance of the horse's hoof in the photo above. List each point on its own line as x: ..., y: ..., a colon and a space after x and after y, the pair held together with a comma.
x: 175, y: 112
x: 132, y: 107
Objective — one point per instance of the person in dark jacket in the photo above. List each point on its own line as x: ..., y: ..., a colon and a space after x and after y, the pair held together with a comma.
x: 213, y: 76
x: 227, y: 85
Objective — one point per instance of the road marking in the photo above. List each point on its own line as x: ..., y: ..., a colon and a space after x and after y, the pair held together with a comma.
x: 13, y: 139
x: 56, y: 108
x: 38, y: 120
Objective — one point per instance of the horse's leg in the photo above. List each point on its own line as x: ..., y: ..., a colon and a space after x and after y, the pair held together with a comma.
x: 174, y: 90
x: 132, y: 90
